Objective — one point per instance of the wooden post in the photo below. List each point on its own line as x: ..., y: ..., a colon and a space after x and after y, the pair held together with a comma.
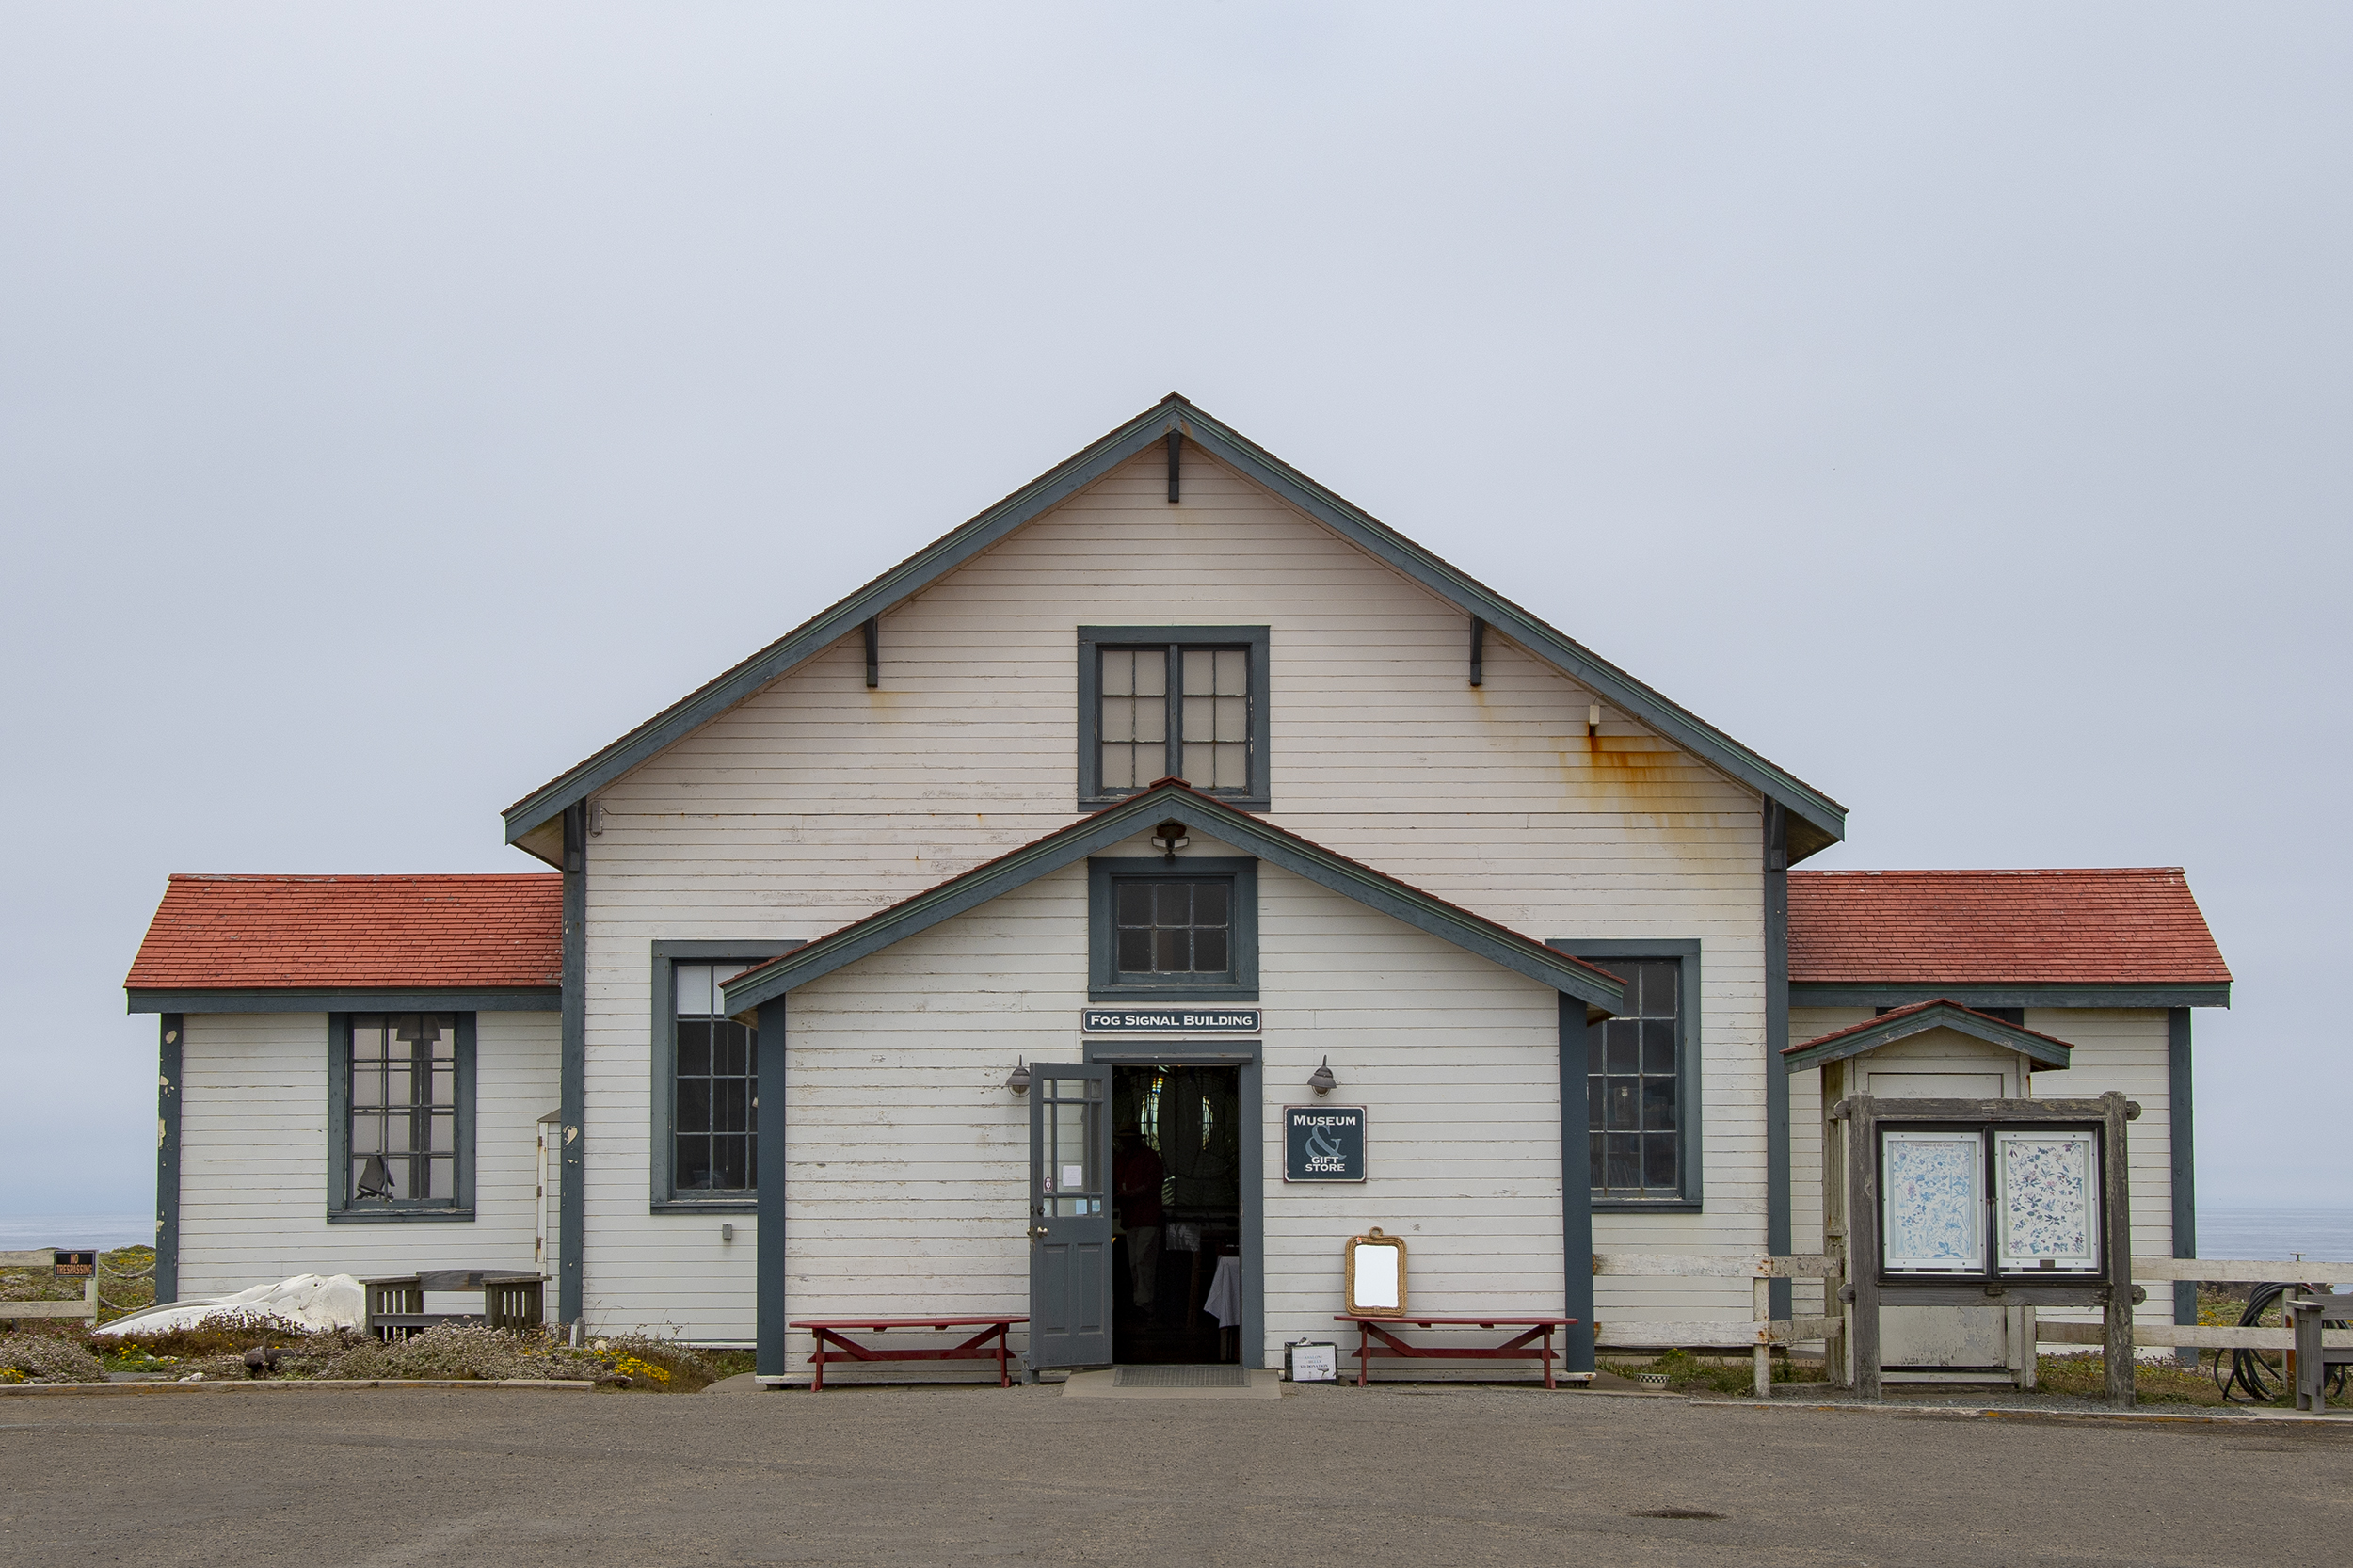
x: 1863, y: 1241
x: 1762, y: 1310
x: 2115, y: 1316
x: 1835, y: 1363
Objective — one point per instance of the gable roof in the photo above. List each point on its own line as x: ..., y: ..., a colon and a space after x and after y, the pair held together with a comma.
x: 1596, y: 988
x: 1814, y: 820
x: 220, y: 938
x: 1918, y: 1019
x: 2118, y: 927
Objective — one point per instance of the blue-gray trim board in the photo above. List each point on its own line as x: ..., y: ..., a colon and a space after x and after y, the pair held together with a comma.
x: 771, y: 1276
x: 572, y: 1074
x: 1777, y: 1142
x: 168, y: 1059
x: 2181, y: 1107
x: 1577, y: 1197
x: 1816, y: 821
x: 419, y: 999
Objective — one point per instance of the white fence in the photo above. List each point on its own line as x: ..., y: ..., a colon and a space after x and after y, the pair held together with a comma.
x: 1763, y: 1331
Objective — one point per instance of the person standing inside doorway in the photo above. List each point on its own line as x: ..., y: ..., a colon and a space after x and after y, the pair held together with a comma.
x: 1136, y: 1175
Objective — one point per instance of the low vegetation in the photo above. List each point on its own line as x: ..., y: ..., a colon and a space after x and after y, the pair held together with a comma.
x: 1686, y: 1374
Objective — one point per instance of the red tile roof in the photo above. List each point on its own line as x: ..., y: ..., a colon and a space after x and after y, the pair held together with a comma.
x: 310, y: 932
x: 2137, y: 926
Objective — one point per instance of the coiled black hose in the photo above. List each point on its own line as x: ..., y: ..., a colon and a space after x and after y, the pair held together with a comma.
x: 2249, y: 1371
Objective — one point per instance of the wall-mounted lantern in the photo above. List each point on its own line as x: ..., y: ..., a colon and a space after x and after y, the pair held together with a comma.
x: 1019, y: 1080
x: 1170, y: 836
x: 1321, y: 1080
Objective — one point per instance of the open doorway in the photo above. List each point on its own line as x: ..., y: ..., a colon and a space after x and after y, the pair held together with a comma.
x: 1177, y: 1188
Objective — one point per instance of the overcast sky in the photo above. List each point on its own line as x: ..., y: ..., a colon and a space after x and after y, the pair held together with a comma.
x: 396, y: 403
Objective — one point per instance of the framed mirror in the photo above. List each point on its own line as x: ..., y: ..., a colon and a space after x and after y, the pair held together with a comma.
x: 1376, y: 1275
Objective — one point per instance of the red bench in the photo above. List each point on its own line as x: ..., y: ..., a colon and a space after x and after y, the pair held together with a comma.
x: 1516, y: 1349
x: 837, y: 1331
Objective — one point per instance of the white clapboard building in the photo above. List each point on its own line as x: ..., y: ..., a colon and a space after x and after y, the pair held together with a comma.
x: 1165, y: 795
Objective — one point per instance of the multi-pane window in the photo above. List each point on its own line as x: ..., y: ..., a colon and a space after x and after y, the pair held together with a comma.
x: 402, y: 1104
x: 1174, y: 927
x: 714, y: 1112
x: 1175, y: 710
x: 1633, y: 1082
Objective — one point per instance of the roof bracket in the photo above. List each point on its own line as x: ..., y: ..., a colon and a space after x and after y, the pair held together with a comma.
x: 1175, y: 463
x: 1479, y: 652
x: 873, y: 650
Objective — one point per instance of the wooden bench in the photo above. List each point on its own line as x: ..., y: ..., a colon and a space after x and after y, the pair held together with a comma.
x: 837, y: 1331
x: 1537, y: 1332
x: 2313, y: 1356
x: 510, y: 1300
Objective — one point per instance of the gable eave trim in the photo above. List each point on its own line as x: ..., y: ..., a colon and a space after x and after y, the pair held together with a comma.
x: 1654, y: 709
x: 1846, y: 1043
x: 1825, y: 817
x: 906, y: 579
x: 1589, y: 984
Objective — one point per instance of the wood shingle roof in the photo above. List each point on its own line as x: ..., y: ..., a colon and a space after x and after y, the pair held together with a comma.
x: 2127, y: 926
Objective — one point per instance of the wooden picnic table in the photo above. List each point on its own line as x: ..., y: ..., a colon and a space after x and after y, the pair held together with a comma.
x: 837, y: 1331
x: 1370, y: 1328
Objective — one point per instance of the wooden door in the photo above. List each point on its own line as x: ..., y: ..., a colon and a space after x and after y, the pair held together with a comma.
x: 1070, y: 1216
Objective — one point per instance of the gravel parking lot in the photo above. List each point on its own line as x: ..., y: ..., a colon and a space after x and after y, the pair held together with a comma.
x: 1402, y: 1475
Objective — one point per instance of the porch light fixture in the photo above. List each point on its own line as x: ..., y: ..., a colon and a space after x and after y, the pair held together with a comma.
x: 1018, y: 1082
x: 1321, y: 1080
x: 1170, y: 836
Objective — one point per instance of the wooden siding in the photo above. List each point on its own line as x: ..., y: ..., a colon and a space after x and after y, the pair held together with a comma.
x: 253, y: 1154
x: 909, y: 1160
x: 819, y: 800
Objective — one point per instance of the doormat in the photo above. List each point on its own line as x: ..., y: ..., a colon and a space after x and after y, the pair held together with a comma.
x: 1180, y: 1377
x: 1175, y: 1382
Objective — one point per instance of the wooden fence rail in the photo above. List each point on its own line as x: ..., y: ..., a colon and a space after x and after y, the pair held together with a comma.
x: 1763, y: 1331
x: 1761, y: 1334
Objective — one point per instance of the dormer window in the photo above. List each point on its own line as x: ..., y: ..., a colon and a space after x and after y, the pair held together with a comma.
x: 1182, y: 701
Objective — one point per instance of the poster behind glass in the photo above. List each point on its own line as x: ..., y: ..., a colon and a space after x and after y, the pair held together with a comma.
x: 2048, y: 1187
x: 1932, y: 1186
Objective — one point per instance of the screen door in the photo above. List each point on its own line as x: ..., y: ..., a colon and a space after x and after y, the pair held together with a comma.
x: 1070, y: 1216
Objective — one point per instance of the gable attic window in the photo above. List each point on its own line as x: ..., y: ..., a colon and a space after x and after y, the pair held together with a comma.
x: 1182, y: 933
x: 401, y: 1115
x: 1186, y: 702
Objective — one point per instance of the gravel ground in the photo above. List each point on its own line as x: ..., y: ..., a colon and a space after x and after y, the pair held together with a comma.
x: 1399, y: 1473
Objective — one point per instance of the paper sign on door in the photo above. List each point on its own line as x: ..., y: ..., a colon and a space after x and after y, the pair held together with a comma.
x: 1074, y: 1176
